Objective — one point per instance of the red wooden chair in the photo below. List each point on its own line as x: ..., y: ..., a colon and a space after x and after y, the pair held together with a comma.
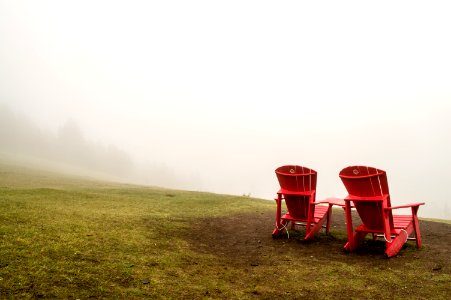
x: 368, y: 191
x: 298, y: 188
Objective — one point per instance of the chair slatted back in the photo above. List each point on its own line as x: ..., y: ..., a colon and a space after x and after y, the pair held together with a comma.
x: 362, y: 181
x: 293, y: 178
x: 296, y: 178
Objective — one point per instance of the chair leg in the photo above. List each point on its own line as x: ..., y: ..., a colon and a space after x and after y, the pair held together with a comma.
x: 355, y: 241
x: 395, y: 246
x: 329, y: 218
x: 277, y: 230
x: 417, y: 233
x: 280, y: 229
x: 416, y: 226
x: 349, y: 229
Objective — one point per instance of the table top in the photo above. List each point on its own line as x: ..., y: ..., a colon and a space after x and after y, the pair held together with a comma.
x: 333, y: 201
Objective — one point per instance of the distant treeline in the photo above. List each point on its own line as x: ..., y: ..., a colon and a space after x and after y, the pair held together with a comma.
x: 20, y: 136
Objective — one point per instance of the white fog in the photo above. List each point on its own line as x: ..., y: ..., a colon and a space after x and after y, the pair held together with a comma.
x: 213, y: 96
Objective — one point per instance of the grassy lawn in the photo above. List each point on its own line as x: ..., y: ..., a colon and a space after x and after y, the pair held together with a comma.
x: 69, y: 238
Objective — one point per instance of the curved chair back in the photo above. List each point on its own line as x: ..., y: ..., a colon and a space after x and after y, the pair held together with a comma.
x: 298, y: 186
x: 296, y: 178
x: 361, y: 182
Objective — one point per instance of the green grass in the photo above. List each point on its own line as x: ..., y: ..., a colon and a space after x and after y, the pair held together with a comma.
x: 73, y: 238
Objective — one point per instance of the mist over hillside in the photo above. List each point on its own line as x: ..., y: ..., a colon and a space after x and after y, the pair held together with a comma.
x: 184, y: 98
x: 68, y: 148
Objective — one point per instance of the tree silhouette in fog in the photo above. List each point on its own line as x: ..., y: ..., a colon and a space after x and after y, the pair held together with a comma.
x: 20, y: 136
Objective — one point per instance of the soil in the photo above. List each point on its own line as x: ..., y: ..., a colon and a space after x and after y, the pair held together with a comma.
x: 246, y: 240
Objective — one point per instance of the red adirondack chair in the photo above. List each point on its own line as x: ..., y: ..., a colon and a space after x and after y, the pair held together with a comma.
x: 368, y: 191
x: 298, y: 189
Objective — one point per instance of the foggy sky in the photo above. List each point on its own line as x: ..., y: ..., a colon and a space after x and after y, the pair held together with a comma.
x: 218, y: 95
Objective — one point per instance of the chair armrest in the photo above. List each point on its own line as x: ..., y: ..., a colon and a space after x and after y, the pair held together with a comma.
x: 405, y: 206
x: 295, y: 193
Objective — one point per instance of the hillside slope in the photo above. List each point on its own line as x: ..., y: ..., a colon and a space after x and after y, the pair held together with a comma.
x: 64, y: 237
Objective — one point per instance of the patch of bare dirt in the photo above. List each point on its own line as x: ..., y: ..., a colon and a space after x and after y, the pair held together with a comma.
x: 246, y: 240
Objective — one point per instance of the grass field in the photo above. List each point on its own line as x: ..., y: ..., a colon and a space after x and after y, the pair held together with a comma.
x: 65, y: 237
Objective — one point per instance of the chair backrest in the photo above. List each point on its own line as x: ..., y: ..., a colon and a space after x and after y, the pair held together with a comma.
x: 363, y: 181
x: 297, y: 179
